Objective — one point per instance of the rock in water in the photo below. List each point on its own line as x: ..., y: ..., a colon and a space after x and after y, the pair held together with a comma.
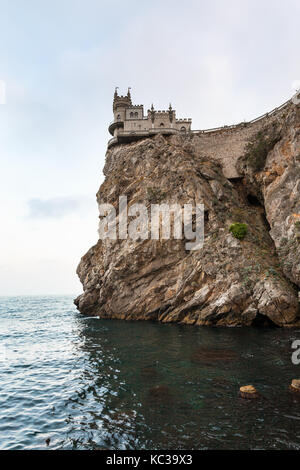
x: 229, y: 282
x: 295, y: 385
x: 249, y: 392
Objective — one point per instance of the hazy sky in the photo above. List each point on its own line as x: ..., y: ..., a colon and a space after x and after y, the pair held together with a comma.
x: 217, y: 62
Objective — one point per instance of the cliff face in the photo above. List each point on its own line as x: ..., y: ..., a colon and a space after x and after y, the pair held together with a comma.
x: 278, y: 186
x: 228, y: 281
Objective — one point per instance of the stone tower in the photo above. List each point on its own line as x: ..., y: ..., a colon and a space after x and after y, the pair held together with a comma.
x: 120, y: 104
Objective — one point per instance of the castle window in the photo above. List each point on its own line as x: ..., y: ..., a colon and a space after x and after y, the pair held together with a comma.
x: 136, y: 114
x: 118, y: 117
x: 162, y: 124
x: 131, y: 114
x: 183, y: 130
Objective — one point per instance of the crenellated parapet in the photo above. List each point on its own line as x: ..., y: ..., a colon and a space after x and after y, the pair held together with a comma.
x: 130, y: 123
x: 121, y: 101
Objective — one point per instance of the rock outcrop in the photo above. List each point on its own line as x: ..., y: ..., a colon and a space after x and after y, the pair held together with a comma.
x: 229, y: 282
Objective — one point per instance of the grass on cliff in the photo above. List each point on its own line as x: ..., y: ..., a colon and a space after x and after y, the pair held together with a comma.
x: 259, y: 146
x: 238, y: 230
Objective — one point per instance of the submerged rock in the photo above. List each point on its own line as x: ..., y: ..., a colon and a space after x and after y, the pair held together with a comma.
x: 149, y: 374
x: 229, y: 282
x: 205, y: 355
x: 295, y: 386
x: 249, y: 392
x: 160, y: 394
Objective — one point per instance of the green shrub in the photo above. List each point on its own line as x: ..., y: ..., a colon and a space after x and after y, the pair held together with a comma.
x: 257, y: 149
x: 238, y: 230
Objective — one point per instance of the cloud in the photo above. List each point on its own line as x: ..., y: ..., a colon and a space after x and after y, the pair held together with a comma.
x: 59, y: 207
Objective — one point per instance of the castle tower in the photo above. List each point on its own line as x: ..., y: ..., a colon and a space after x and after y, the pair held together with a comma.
x: 120, y: 104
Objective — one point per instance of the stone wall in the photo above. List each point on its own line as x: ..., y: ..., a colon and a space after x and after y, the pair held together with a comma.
x: 132, y: 125
x: 139, y: 109
x: 227, y: 144
x: 161, y: 117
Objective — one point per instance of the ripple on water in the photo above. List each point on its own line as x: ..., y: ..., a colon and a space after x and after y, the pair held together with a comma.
x: 70, y: 382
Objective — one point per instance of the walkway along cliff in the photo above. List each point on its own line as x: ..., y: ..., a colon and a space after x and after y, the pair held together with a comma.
x: 248, y: 174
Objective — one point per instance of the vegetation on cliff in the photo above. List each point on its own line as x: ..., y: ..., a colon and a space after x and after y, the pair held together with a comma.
x: 238, y: 230
x: 259, y: 146
x: 277, y: 185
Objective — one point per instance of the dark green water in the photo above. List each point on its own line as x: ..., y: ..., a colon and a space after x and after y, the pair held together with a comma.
x: 90, y: 384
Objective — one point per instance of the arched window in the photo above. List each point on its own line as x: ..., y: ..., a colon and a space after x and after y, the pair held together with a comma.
x: 136, y: 114
x: 131, y: 114
x: 162, y: 124
x: 183, y: 129
x: 118, y: 117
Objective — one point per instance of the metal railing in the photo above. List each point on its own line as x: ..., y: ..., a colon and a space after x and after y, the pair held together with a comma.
x: 241, y: 124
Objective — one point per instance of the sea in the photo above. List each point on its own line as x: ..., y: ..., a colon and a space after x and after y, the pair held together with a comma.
x: 74, y: 382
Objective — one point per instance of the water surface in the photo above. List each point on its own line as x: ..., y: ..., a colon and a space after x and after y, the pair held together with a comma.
x: 86, y: 383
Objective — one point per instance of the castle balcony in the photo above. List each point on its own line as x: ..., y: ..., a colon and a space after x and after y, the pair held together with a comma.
x: 115, y: 125
x: 124, y: 137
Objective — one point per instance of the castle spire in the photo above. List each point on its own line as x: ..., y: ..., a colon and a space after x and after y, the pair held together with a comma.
x: 116, y: 93
x: 171, y: 113
x: 152, y: 114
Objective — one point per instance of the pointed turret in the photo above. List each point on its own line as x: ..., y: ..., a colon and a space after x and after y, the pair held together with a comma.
x: 171, y: 113
x: 152, y: 113
x: 121, y: 101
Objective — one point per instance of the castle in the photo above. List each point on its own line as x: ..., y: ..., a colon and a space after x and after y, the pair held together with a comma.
x: 130, y: 124
x: 224, y: 144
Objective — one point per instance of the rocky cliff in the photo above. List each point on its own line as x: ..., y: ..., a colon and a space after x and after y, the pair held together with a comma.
x: 229, y: 282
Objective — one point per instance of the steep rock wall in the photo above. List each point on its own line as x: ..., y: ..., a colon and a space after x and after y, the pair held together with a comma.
x: 278, y: 185
x: 227, y: 282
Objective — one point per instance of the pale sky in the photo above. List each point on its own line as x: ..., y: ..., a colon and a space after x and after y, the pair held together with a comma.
x: 217, y: 62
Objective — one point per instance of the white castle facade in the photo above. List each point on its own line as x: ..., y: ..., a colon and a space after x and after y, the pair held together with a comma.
x: 131, y: 124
